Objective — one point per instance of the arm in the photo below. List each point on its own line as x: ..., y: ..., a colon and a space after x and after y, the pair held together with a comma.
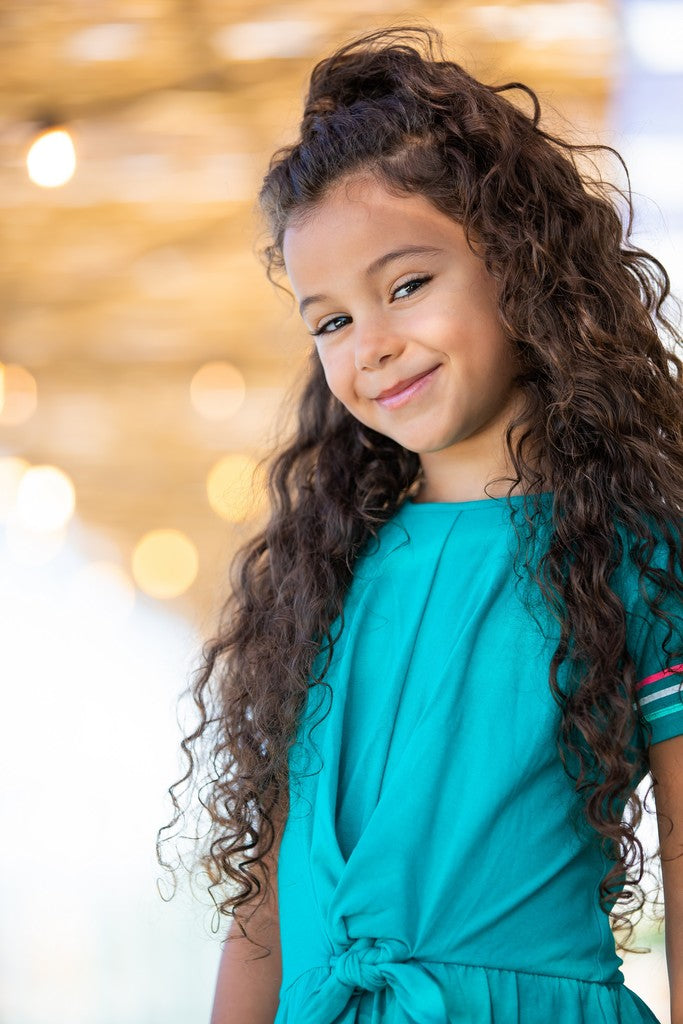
x: 666, y: 763
x: 247, y: 989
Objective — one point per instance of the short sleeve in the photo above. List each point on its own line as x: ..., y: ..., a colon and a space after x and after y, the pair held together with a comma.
x: 659, y: 673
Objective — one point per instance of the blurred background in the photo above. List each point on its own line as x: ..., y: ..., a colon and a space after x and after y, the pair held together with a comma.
x: 144, y: 362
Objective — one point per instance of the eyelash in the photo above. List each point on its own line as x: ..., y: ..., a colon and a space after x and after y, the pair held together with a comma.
x: 413, y: 280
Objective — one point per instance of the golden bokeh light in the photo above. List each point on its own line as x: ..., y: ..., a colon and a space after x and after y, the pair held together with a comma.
x: 18, y: 394
x: 12, y: 469
x: 217, y: 390
x: 51, y: 160
x: 235, y: 487
x: 165, y: 563
x: 45, y: 500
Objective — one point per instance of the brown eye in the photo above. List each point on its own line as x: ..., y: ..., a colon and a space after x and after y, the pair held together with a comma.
x: 323, y: 327
x: 419, y: 281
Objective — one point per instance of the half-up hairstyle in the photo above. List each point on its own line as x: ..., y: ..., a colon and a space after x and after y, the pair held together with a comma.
x: 583, y: 310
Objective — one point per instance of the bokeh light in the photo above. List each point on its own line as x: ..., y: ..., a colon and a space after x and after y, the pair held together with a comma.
x: 234, y: 487
x: 45, y: 499
x: 217, y: 390
x: 51, y: 160
x: 165, y: 563
x: 18, y: 394
x: 12, y: 469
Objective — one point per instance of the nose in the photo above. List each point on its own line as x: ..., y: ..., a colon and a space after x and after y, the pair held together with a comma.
x: 376, y: 342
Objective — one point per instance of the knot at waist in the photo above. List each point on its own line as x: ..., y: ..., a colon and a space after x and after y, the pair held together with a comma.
x: 361, y: 966
x: 369, y: 965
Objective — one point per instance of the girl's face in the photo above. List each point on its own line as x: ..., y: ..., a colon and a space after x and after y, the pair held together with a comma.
x: 391, y: 292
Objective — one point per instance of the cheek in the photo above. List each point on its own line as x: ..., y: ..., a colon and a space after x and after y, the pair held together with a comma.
x: 496, y: 365
x: 336, y: 374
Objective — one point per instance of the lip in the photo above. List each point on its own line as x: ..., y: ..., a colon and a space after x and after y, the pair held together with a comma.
x: 405, y: 389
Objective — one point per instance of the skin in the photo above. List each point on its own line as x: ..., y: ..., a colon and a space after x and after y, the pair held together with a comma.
x: 666, y: 764
x: 378, y: 332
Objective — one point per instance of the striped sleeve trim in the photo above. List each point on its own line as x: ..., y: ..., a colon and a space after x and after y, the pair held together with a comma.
x: 657, y: 697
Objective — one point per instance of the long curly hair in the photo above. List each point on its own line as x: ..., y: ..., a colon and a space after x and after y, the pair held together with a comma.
x: 583, y: 309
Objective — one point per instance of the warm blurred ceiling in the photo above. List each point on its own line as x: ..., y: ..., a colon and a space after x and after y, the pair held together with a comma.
x: 118, y: 286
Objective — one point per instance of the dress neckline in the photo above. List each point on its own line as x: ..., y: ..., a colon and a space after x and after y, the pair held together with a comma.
x: 476, y: 503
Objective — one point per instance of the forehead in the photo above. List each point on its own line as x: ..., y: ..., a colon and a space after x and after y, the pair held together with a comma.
x: 358, y: 220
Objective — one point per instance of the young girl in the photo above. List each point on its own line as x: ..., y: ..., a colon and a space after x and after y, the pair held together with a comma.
x: 457, y: 646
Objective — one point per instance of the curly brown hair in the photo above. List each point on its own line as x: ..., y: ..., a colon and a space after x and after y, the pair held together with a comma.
x: 604, y: 394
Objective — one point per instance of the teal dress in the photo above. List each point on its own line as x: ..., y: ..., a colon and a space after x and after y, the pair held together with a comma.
x: 428, y: 872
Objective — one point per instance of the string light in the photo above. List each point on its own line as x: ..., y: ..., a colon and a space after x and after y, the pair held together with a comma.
x: 51, y: 160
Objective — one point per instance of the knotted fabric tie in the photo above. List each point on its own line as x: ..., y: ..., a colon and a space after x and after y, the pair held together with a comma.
x: 369, y: 965
x: 359, y: 967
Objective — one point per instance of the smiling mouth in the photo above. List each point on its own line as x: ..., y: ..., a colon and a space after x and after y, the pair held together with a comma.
x: 390, y: 392
x: 407, y: 391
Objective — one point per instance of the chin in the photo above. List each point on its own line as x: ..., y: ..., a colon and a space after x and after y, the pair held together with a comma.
x: 426, y: 445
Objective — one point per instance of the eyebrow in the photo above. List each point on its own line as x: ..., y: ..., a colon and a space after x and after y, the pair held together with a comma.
x: 379, y: 264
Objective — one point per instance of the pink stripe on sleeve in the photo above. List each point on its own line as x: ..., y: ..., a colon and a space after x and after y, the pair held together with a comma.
x: 649, y: 680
